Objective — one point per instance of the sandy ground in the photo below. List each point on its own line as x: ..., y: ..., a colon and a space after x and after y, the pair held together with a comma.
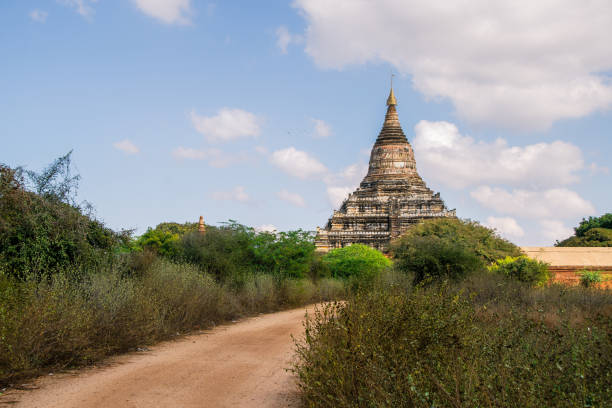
x: 238, y: 365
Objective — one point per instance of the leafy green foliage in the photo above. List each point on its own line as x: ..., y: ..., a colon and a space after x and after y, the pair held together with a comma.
x: 357, y: 261
x: 595, y: 237
x: 523, y: 269
x: 590, y: 278
x: 43, y: 231
x: 591, y: 232
x: 160, y: 241
x: 485, y: 243
x: 234, y: 250
x: 485, y: 342
x: 605, y: 221
x: 448, y: 248
x: 434, y: 258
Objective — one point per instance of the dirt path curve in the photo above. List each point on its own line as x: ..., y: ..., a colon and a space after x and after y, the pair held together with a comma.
x: 237, y: 365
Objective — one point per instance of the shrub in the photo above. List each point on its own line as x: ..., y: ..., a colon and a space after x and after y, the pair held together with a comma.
x: 590, y: 278
x: 161, y: 242
x: 486, y: 342
x: 591, y: 232
x: 434, y: 258
x: 42, y: 230
x: 522, y: 269
x: 62, y: 322
x: 483, y: 241
x: 357, y: 261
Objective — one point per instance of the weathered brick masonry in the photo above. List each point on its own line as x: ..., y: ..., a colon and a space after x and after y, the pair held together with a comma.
x: 391, y: 198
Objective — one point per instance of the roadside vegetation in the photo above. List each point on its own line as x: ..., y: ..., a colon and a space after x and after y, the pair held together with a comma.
x: 591, y: 232
x: 461, y: 320
x: 73, y: 291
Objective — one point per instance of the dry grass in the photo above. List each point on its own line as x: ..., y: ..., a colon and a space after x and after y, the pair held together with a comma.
x: 61, y: 323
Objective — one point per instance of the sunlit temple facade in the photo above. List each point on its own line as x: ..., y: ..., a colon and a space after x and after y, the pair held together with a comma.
x: 391, y: 198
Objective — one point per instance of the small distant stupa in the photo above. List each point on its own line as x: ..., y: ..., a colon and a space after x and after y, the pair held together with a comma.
x: 391, y: 198
x: 201, y: 226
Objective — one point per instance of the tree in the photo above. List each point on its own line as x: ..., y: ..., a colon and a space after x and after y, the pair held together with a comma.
x: 355, y: 261
x: 448, y: 248
x: 42, y: 230
x: 591, y: 232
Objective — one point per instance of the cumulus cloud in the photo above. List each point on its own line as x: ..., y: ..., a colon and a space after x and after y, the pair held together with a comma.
x: 238, y: 193
x: 344, y: 182
x: 83, y: 7
x: 39, y: 16
x: 284, y: 38
x: 321, y: 129
x: 446, y: 156
x: 513, y: 64
x: 555, y: 230
x: 292, y: 198
x: 298, y: 163
x: 338, y: 194
x: 506, y: 226
x: 552, y: 203
x: 228, y: 124
x: 166, y: 11
x: 215, y: 157
x: 126, y: 146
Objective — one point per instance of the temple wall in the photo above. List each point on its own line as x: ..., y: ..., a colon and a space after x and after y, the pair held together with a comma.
x: 571, y: 256
x: 566, y: 263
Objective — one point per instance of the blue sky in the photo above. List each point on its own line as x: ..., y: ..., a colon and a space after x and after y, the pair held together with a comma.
x: 266, y: 114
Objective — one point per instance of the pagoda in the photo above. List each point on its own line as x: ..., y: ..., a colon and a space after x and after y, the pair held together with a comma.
x: 391, y: 198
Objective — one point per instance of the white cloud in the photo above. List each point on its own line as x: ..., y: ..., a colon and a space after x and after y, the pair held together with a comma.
x: 126, y: 146
x: 337, y: 195
x: 167, y: 11
x: 340, y: 184
x: 506, y: 226
x: 39, y: 16
x: 597, y: 169
x: 555, y: 230
x: 83, y: 7
x: 552, y: 203
x: 284, y: 38
x: 321, y: 129
x: 189, y: 153
x: 266, y: 228
x: 297, y: 163
x: 292, y: 198
x: 237, y: 194
x: 446, y: 156
x: 514, y: 64
x: 216, y: 157
x: 228, y: 124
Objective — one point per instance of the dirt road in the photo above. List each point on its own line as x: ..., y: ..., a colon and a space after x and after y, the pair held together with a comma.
x: 238, y: 365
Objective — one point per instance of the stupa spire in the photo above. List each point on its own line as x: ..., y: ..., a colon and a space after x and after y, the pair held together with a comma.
x: 391, y: 99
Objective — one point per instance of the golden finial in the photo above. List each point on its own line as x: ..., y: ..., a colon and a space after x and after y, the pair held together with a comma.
x: 201, y: 226
x: 391, y: 99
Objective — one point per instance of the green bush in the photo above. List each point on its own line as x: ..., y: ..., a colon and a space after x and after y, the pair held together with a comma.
x: 591, y: 232
x: 483, y: 241
x: 590, y: 278
x: 42, y: 230
x: 486, y: 342
x: 433, y: 258
x: 358, y: 262
x: 522, y: 269
x: 595, y: 237
x: 448, y: 248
